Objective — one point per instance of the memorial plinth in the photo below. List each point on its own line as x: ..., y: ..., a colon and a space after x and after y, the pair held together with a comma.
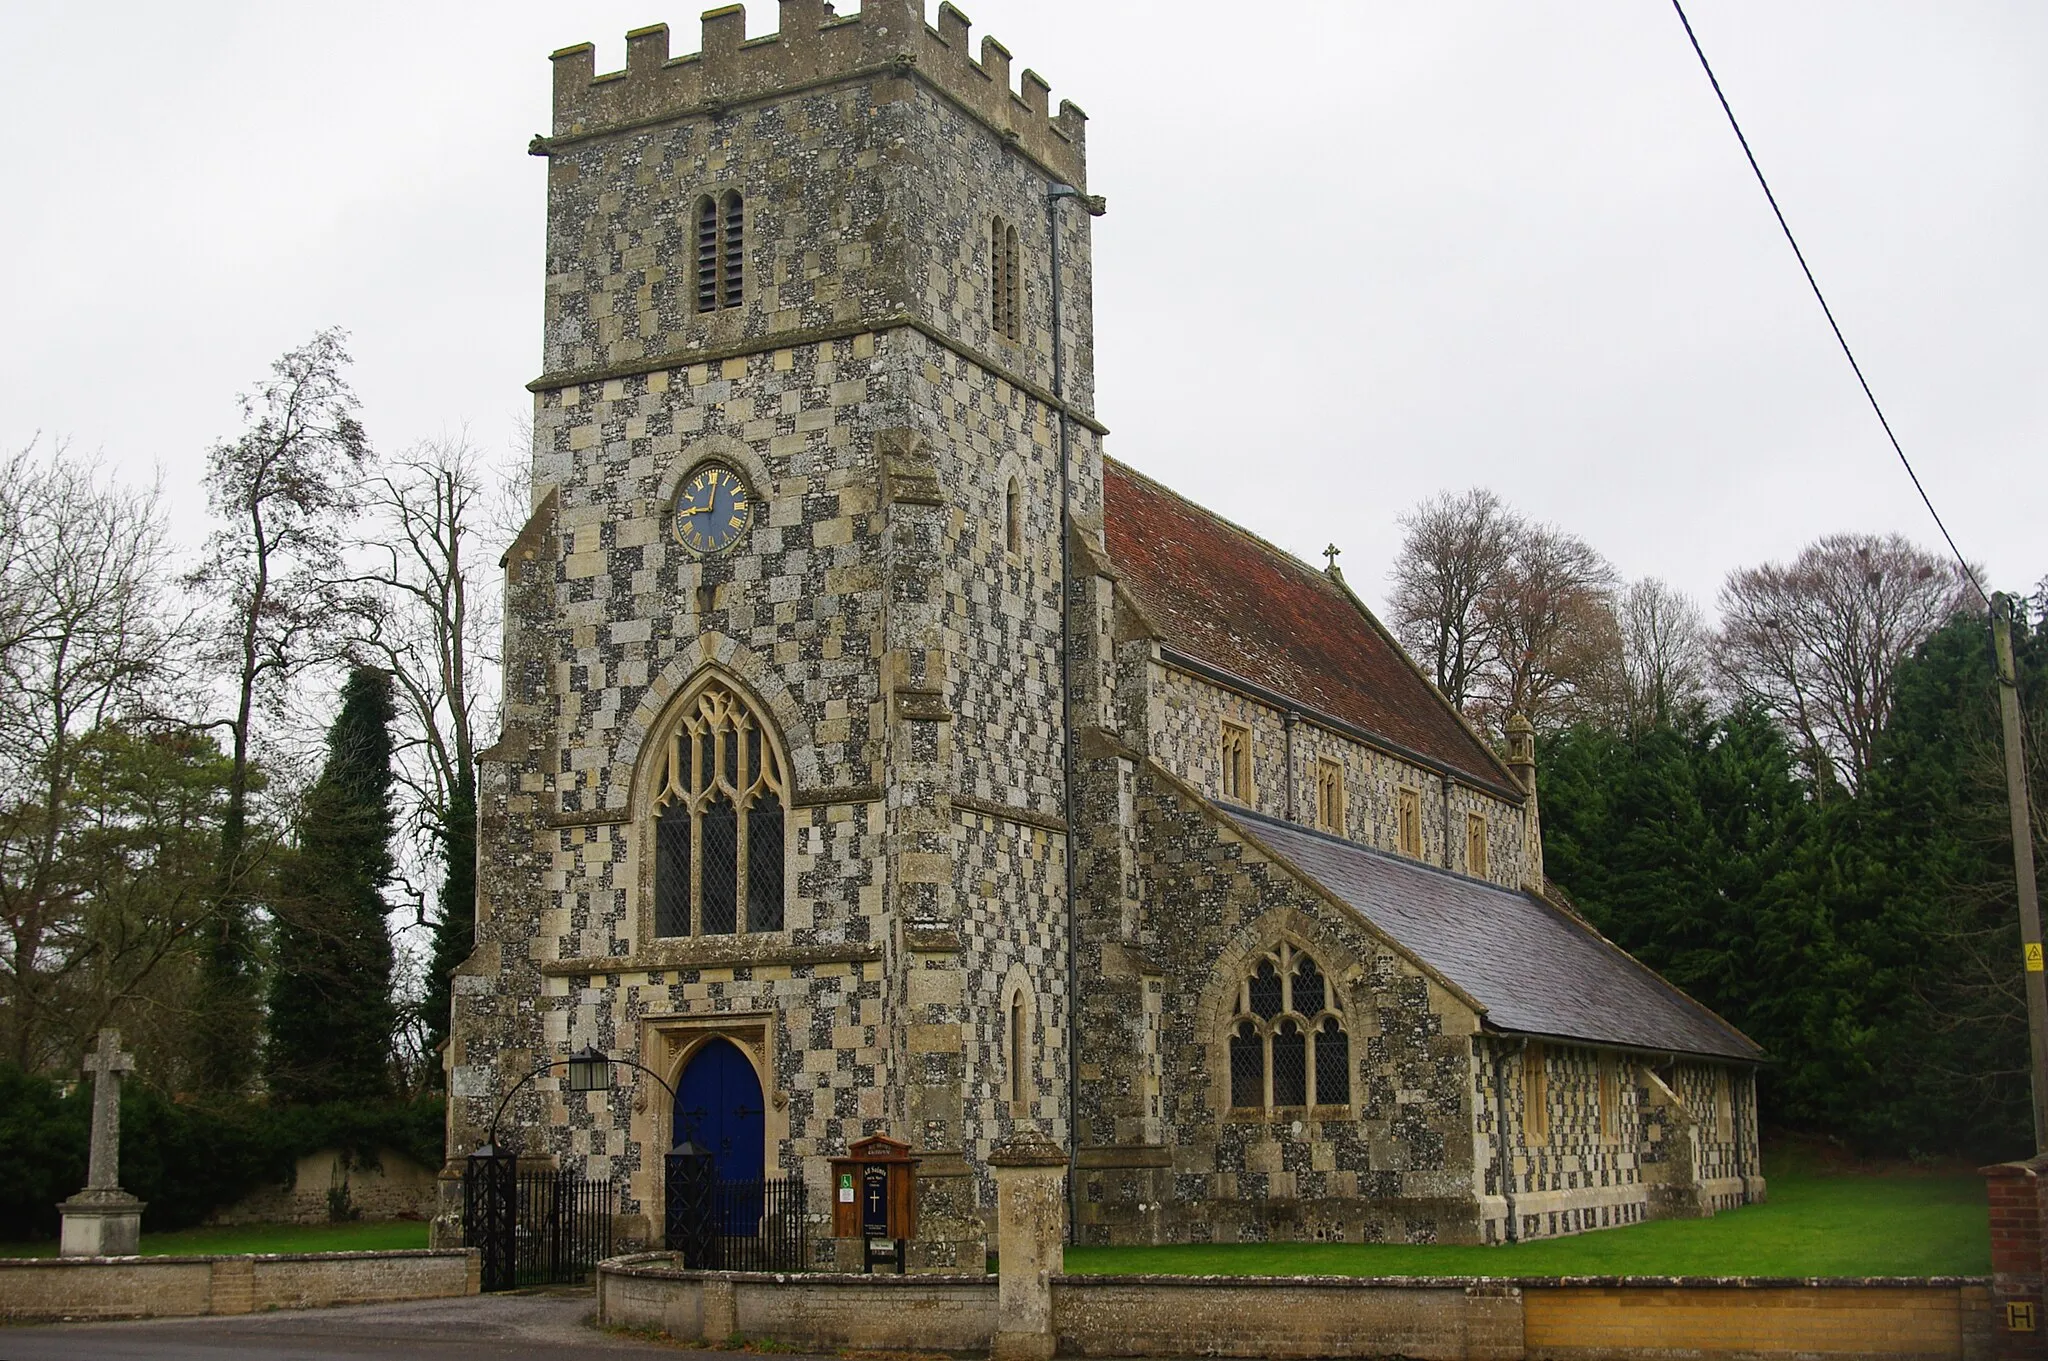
x: 103, y: 1220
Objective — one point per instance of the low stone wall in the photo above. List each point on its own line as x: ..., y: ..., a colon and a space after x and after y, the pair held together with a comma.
x: 1540, y: 1319
x: 45, y: 1288
x: 333, y: 1185
x: 814, y: 1310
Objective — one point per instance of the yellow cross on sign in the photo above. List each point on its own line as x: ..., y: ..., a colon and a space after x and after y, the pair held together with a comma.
x: 2033, y: 956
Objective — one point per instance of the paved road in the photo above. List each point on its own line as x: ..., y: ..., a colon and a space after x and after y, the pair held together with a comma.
x: 552, y: 1325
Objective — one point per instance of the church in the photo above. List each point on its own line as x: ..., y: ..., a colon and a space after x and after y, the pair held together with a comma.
x: 879, y: 756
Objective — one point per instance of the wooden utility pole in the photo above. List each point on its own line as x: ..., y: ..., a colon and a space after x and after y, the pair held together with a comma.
x: 2023, y: 862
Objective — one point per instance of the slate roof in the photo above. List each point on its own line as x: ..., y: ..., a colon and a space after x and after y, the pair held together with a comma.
x: 1535, y: 968
x: 1229, y: 600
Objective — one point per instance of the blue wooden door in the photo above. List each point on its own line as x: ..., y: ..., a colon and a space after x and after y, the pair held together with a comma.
x: 718, y: 1106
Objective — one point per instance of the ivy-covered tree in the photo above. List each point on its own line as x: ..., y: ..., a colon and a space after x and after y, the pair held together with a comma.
x: 332, y: 1015
x: 281, y: 492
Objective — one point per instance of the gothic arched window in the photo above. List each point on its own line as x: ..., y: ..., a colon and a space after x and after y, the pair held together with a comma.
x: 1288, y: 1045
x: 1013, y: 518
x: 718, y: 820
x: 721, y: 235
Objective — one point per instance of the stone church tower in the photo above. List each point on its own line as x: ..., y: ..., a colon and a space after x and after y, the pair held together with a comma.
x: 777, y: 809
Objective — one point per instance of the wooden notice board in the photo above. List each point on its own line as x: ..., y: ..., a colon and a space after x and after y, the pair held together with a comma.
x: 874, y: 1190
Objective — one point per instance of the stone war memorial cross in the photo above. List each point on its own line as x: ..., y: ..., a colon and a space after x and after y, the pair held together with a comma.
x: 103, y: 1220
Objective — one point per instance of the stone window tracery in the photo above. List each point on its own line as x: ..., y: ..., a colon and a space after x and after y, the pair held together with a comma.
x: 1475, y: 845
x: 1408, y: 824
x: 1235, y: 751
x: 718, y: 823
x: 1329, y: 795
x: 1288, y: 1045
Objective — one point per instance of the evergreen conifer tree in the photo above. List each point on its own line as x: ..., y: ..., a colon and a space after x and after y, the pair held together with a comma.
x: 455, y: 929
x: 331, y: 1011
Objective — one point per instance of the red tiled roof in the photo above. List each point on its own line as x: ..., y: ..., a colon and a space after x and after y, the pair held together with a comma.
x: 1232, y: 601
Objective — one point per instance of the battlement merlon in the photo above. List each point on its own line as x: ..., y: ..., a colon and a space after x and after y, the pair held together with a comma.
x: 816, y: 47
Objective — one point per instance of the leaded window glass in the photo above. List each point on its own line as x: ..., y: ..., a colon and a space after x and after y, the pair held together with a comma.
x: 719, y: 823
x: 1265, y: 991
x: 1308, y: 986
x: 1290, y: 1065
x: 1333, y: 1064
x: 1247, y: 1066
x: 1288, y: 1044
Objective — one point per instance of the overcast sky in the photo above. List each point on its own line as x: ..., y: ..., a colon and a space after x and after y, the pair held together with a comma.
x: 1356, y: 253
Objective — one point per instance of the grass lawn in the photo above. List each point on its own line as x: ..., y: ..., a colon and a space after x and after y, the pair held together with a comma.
x: 1813, y: 1225
x: 361, y: 1237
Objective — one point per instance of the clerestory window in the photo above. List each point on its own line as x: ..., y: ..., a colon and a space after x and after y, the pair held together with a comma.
x: 1288, y: 1044
x: 718, y: 819
x: 1329, y: 795
x: 721, y: 237
x: 1234, y: 749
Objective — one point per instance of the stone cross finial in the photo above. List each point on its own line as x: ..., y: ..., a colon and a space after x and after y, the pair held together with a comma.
x: 106, y: 1063
x: 1331, y: 553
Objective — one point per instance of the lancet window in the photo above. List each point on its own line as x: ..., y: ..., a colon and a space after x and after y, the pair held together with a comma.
x: 718, y: 819
x: 1288, y: 1044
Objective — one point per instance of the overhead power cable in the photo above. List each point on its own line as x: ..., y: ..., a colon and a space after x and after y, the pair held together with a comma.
x: 1827, y: 311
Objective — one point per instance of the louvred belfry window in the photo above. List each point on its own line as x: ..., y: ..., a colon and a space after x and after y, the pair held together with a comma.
x: 1288, y: 1045
x: 721, y: 253
x: 1004, y: 312
x: 718, y: 823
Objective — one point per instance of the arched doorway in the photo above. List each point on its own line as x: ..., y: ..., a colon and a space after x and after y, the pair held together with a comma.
x: 719, y: 1108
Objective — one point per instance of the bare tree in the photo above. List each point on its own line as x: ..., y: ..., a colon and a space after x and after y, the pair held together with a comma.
x: 427, y: 612
x: 1663, y: 666
x: 1816, y: 642
x: 1456, y: 550
x: 88, y: 636
x: 1549, y: 618
x: 283, y: 492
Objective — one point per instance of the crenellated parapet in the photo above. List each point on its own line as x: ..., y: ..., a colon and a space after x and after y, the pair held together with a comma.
x: 814, y: 46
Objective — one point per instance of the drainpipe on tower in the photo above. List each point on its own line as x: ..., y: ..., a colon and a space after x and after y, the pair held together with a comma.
x: 1287, y: 723
x: 1068, y: 803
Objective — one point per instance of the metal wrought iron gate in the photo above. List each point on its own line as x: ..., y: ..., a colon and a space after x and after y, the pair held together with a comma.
x: 752, y: 1225
x: 534, y: 1228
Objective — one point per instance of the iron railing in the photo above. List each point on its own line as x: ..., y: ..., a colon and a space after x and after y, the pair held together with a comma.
x: 760, y: 1225
x: 534, y: 1228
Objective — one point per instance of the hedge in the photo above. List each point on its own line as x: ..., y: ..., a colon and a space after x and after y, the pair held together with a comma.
x: 186, y: 1161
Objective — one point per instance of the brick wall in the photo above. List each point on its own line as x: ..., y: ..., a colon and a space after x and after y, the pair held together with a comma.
x: 1720, y: 1319
x: 2014, y: 1193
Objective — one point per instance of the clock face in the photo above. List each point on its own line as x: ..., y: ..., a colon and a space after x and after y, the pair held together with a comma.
x: 713, y: 510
